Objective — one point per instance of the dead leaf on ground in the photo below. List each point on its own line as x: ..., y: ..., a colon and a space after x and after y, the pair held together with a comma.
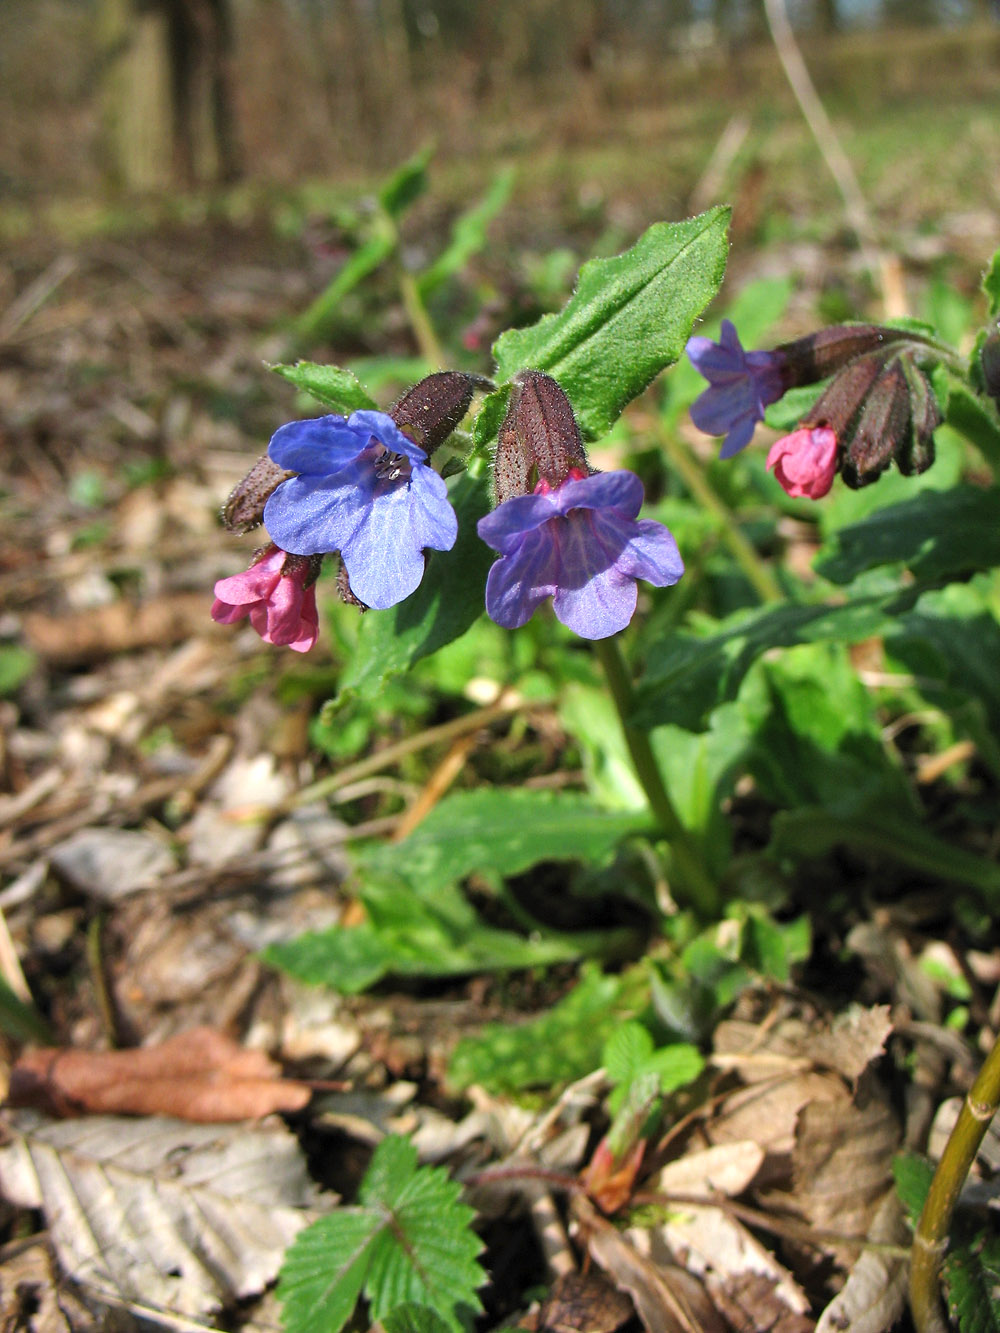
x: 162, y: 1215
x: 583, y: 1303
x: 872, y: 1298
x: 200, y: 1075
x: 102, y: 631
x: 32, y: 1296
x: 668, y: 1299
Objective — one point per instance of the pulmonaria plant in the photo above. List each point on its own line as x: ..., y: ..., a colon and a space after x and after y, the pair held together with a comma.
x: 878, y: 407
x: 563, y: 531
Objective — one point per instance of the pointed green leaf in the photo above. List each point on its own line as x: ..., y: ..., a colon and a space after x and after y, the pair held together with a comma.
x: 333, y: 386
x: 626, y: 1051
x: 406, y: 184
x: 314, y: 321
x: 630, y: 317
x: 325, y: 1269
x: 411, y: 1318
x: 468, y: 235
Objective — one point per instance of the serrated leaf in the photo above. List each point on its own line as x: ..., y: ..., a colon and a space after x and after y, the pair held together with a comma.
x: 629, y: 317
x: 411, y: 1318
x: 991, y: 285
x: 450, y: 598
x: 626, y: 1051
x: 936, y: 534
x: 333, y: 386
x: 408, y: 1242
x: 468, y: 234
x: 686, y: 677
x: 146, y: 1211
x: 972, y: 1278
x: 324, y: 1270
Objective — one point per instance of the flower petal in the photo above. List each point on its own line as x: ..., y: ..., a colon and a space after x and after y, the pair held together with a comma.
x: 518, y: 583
x: 384, y: 555
x: 620, y: 490
x: 318, y: 446
x: 384, y: 429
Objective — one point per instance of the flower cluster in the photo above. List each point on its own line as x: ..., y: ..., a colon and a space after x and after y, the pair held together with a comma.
x: 878, y: 407
x: 363, y: 486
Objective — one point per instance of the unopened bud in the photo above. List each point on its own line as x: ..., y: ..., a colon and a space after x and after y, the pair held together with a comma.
x: 917, y: 452
x: 821, y: 354
x: 344, y: 589
x: 431, y: 410
x: 990, y: 362
x: 841, y: 402
x: 882, y: 428
x: 539, y: 440
x: 244, y: 510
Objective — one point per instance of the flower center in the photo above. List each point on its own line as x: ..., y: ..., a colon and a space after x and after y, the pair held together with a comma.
x: 390, y: 466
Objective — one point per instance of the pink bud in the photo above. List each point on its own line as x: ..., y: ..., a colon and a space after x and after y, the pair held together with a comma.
x: 277, y: 593
x: 805, y: 462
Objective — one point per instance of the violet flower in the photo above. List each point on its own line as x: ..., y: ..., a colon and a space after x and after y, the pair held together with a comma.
x: 741, y: 385
x: 363, y: 489
x: 805, y: 462
x: 579, y: 543
x: 278, y: 595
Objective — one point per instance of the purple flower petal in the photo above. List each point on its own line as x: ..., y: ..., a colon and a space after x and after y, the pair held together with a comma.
x: 586, y: 554
x: 318, y: 446
x: 741, y: 385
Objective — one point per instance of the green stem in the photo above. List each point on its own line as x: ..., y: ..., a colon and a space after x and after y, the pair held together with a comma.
x: 695, y: 883
x: 413, y: 304
x: 930, y: 1239
x: 757, y: 572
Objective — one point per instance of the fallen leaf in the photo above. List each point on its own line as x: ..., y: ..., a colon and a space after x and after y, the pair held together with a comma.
x: 583, y: 1303
x: 198, y: 1075
x: 853, y: 1041
x: 163, y: 1215
x: 872, y: 1297
x: 108, y: 863
x: 668, y: 1299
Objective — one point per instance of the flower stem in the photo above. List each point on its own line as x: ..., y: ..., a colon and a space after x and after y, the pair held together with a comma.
x: 693, y: 880
x: 757, y: 572
x: 930, y: 1240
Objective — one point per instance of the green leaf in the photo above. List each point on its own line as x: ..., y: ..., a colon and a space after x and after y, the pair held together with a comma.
x: 972, y: 1276
x: 974, y: 417
x: 991, y: 286
x: 626, y: 1052
x: 913, y: 1175
x: 406, y: 184
x: 450, y: 598
x: 333, y: 386
x: 411, y: 1318
x: 468, y: 235
x: 17, y: 664
x: 324, y: 1270
x: 503, y: 831
x: 487, y: 424
x: 315, y: 320
x: 687, y: 676
x: 936, y: 534
x: 409, y: 1242
x: 559, y: 1046
x: 629, y: 318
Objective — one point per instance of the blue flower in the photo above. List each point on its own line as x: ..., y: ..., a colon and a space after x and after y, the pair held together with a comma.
x: 366, y: 491
x: 741, y: 385
x: 580, y: 544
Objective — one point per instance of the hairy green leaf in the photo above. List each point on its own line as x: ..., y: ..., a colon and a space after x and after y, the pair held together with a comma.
x: 629, y: 317
x: 560, y: 1045
x: 687, y: 676
x: 936, y: 534
x: 408, y: 1242
x: 972, y: 416
x: 333, y: 386
x: 503, y: 831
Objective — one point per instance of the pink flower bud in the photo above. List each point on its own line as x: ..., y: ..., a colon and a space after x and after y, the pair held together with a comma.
x: 805, y: 462
x: 277, y: 593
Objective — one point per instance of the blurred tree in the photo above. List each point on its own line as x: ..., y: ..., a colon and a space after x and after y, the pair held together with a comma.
x: 167, y: 99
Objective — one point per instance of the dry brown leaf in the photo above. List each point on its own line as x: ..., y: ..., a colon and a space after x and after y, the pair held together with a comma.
x: 158, y: 1214
x: 872, y: 1298
x: 855, y: 1039
x: 200, y: 1075
x: 33, y: 1299
x: 668, y: 1299
x: 842, y: 1162
x: 102, y: 631
x: 583, y: 1303
x: 752, y: 1305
